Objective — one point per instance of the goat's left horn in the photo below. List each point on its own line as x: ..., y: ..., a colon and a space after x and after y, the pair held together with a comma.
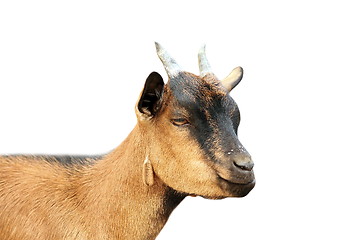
x: 233, y: 79
x: 204, y: 65
x: 171, y: 67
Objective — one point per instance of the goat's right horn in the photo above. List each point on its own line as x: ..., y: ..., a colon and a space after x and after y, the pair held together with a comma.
x: 171, y: 67
x: 204, y: 65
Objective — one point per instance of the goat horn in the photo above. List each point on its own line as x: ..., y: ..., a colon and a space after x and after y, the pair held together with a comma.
x: 171, y: 67
x: 233, y: 79
x: 204, y: 65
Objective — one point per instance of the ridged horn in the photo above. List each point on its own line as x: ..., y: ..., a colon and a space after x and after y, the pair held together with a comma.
x: 204, y: 65
x: 171, y: 67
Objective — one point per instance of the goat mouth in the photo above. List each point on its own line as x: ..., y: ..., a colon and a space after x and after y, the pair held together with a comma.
x: 236, y: 182
x: 236, y: 189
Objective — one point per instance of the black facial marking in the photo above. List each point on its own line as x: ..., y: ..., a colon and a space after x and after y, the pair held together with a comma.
x: 235, y: 116
x: 237, y: 190
x: 213, y: 115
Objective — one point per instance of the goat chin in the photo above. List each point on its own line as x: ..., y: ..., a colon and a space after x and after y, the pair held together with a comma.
x: 206, y: 197
x: 213, y: 198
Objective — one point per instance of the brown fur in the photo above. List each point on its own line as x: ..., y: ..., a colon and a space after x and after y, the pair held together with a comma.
x: 41, y: 200
x: 119, y: 196
x: 107, y: 200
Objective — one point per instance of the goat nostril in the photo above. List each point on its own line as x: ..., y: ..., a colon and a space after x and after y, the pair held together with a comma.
x: 246, y: 166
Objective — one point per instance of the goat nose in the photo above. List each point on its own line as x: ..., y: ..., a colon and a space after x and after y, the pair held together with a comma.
x: 244, y: 163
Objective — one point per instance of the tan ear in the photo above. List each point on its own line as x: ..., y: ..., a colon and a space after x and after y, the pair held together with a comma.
x: 233, y: 79
x: 148, y: 172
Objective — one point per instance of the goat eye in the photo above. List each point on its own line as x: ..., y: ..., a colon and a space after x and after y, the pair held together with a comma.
x: 179, y: 121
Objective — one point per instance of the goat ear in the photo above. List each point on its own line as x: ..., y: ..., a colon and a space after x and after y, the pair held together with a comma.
x: 233, y: 79
x: 149, y: 102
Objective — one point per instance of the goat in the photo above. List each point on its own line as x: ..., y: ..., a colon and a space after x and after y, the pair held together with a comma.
x: 184, y: 143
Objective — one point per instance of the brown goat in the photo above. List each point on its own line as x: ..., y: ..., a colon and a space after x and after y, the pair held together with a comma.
x: 185, y: 143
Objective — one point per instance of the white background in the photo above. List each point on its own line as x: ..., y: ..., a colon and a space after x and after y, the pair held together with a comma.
x: 71, y: 71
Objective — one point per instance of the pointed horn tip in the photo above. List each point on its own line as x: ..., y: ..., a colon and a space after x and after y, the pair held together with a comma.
x: 157, y: 45
x: 160, y: 50
x: 202, y: 49
x: 239, y: 71
x: 171, y: 67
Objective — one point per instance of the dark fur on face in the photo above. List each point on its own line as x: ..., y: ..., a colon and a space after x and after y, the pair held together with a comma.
x: 206, y: 119
x: 212, y: 114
